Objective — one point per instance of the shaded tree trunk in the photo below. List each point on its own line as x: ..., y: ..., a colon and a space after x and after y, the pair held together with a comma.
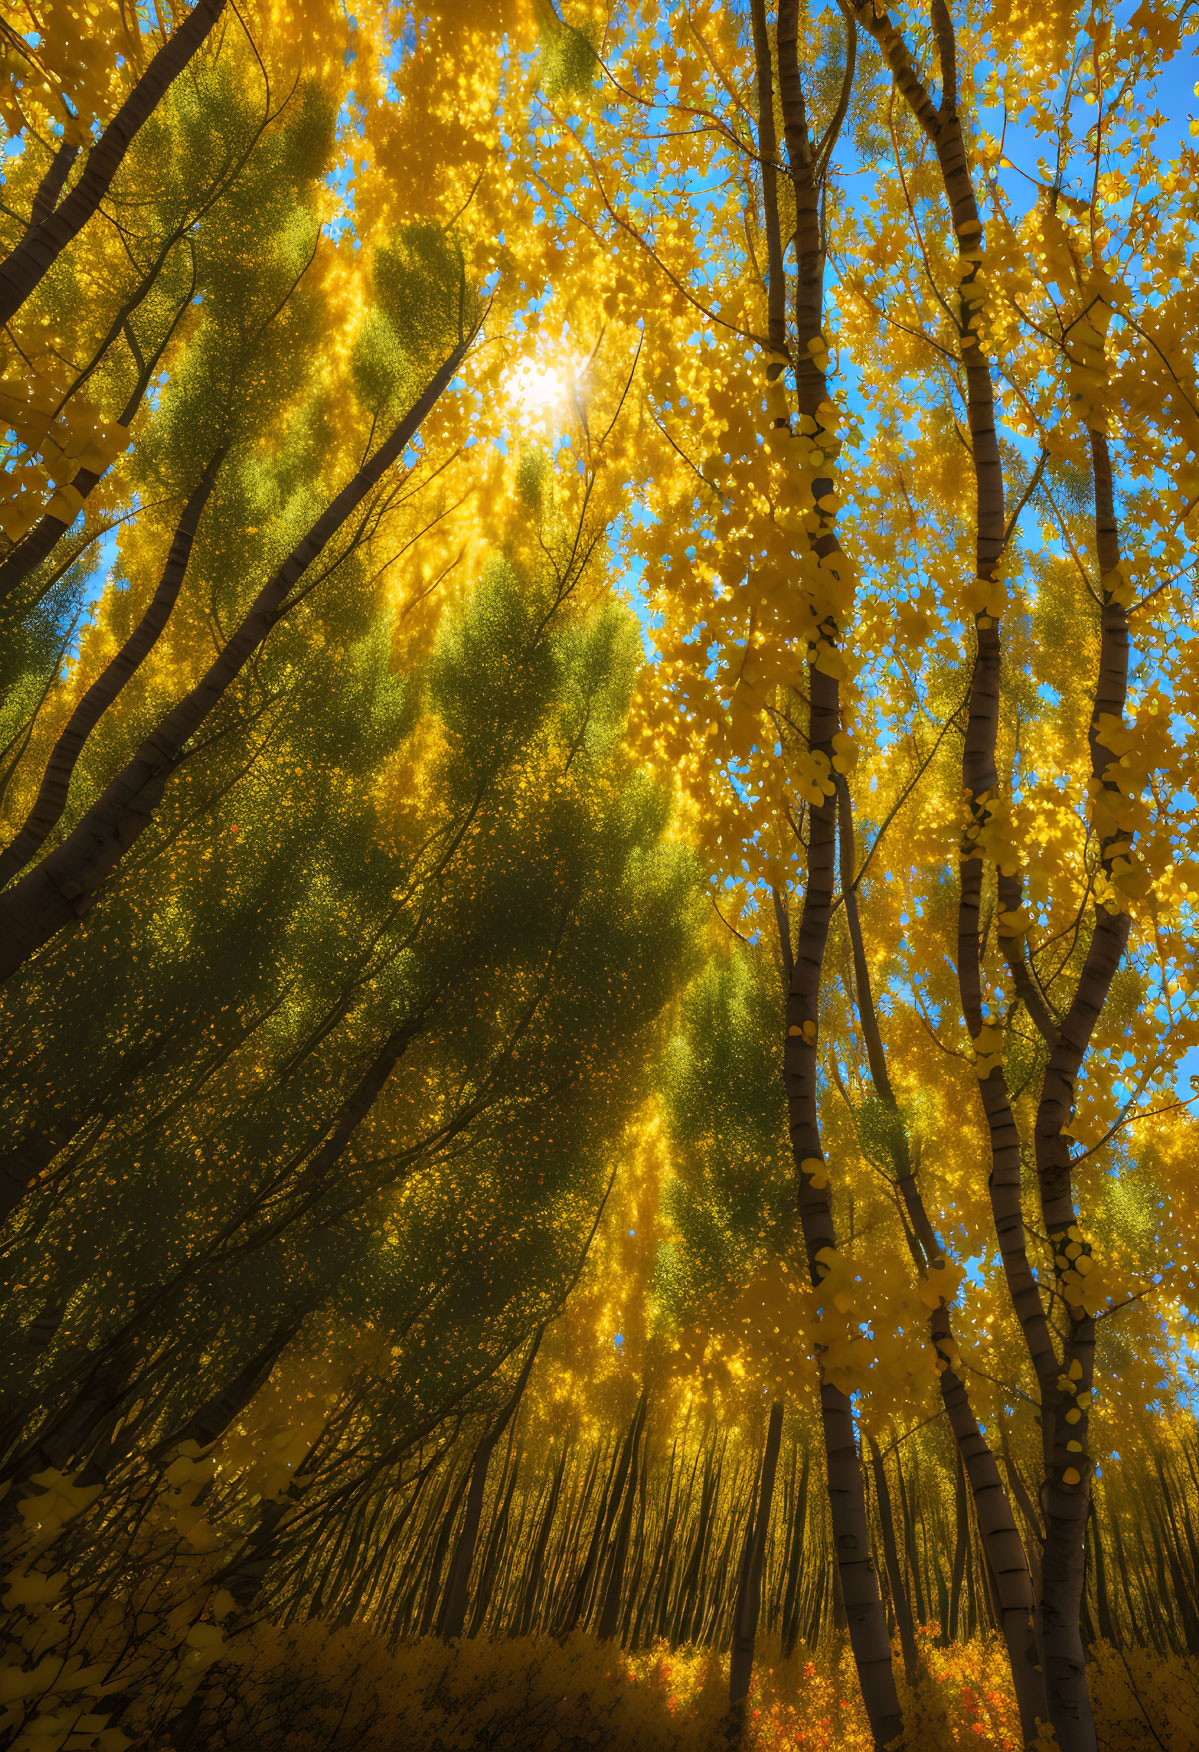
x: 53, y: 183
x: 51, y: 801
x: 452, y: 1616
x: 581, y: 1593
x: 749, y: 1576
x: 867, y: 1620
x: 64, y: 884
x: 899, y: 1594
x: 795, y: 1565
x: 528, y: 1607
x: 610, y: 1612
x: 45, y: 241
x: 28, y: 553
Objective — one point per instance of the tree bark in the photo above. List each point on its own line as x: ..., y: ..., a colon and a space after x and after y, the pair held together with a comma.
x: 1065, y: 1407
x: 610, y: 1612
x: 45, y: 241
x: 52, y: 184
x: 63, y: 885
x: 1065, y: 1503
x: 452, y: 1616
x: 28, y: 553
x: 867, y: 1619
x: 899, y: 1593
x: 491, y: 1555
x: 942, y: 125
x: 51, y: 800
x: 1003, y: 1548
x: 581, y: 1593
x: 211, y: 1419
x: 749, y: 1577
x: 534, y: 1576
x: 795, y: 1563
x: 690, y: 1579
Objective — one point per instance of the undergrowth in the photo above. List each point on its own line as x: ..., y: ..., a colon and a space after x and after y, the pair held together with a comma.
x: 314, y: 1689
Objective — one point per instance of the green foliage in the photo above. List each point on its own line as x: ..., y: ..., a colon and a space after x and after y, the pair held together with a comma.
x: 420, y: 285
x: 731, y: 1195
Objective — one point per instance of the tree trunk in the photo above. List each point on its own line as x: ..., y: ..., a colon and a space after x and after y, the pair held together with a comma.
x: 51, y: 800
x: 491, y: 1555
x: 961, y: 1546
x: 899, y: 1593
x: 749, y: 1577
x: 610, y: 1612
x: 795, y: 1564
x: 867, y: 1620
x: 457, y: 1583
x: 634, y: 1587
x: 52, y: 184
x: 28, y: 553
x: 209, y: 1421
x: 433, y: 1588
x: 68, y: 1439
x: 528, y: 1606
x: 63, y: 885
x: 1004, y: 1555
x: 581, y: 1593
x: 44, y: 242
x: 689, y: 1582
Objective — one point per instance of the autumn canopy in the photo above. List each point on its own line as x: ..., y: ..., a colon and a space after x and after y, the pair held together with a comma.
x: 599, y: 876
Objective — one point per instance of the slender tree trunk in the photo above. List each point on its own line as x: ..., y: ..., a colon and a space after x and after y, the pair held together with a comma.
x: 795, y: 1567
x: 68, y: 1439
x: 961, y: 1547
x: 28, y: 553
x: 63, y: 885
x: 1065, y: 1493
x: 661, y: 1547
x: 1067, y: 1489
x: 1126, y: 1584
x: 910, y: 1545
x: 610, y: 1612
x: 634, y: 1587
x: 661, y: 1619
x: 943, y: 128
x: 491, y: 1556
x: 867, y: 1619
x: 433, y: 1586
x: 1007, y: 1562
x: 452, y: 1616
x: 749, y: 1577
x: 689, y: 1583
x: 44, y: 242
x: 51, y: 801
x: 205, y: 1425
x: 899, y: 1593
x: 49, y: 190
x: 534, y: 1575
x: 210, y: 1420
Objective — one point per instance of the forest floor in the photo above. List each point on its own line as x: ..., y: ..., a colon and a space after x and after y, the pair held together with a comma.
x: 313, y: 1689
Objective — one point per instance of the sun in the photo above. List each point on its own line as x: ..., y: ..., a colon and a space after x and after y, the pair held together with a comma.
x: 541, y: 388
x: 546, y: 392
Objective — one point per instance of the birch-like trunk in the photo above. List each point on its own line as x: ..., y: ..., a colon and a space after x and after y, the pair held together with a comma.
x: 1066, y: 1492
x: 866, y: 1617
x: 1004, y: 1550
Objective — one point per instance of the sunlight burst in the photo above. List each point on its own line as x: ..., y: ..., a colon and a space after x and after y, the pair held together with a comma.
x: 545, y: 392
